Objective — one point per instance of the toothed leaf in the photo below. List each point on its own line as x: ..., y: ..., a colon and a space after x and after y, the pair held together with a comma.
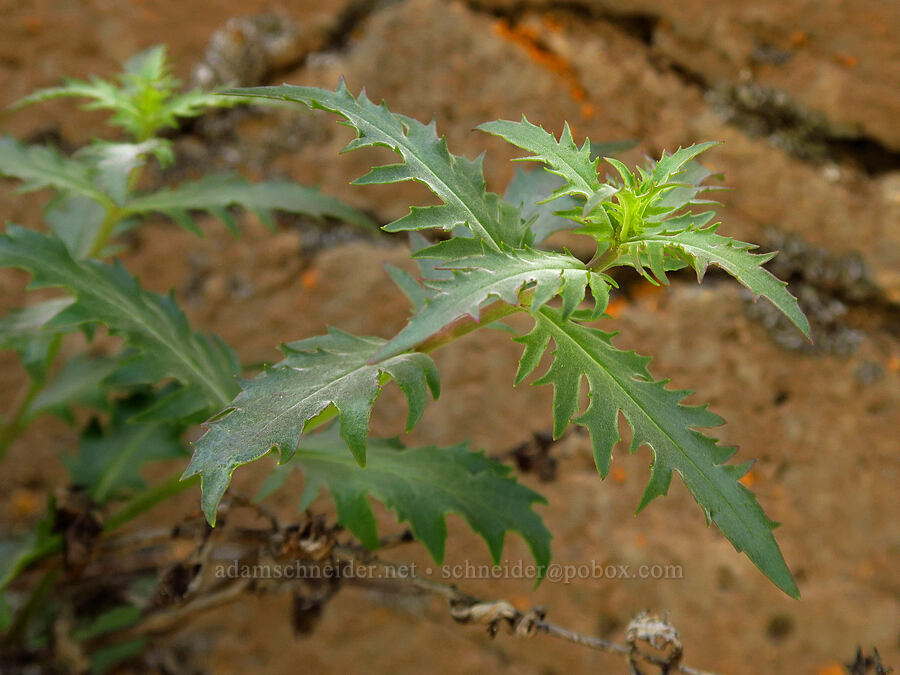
x: 107, y: 294
x: 41, y: 167
x: 422, y: 485
x: 218, y: 192
x: 316, y: 373
x: 457, y: 181
x: 671, y: 165
x: 491, y: 275
x: 143, y: 101
x: 563, y: 157
x: 705, y: 247
x: 620, y: 384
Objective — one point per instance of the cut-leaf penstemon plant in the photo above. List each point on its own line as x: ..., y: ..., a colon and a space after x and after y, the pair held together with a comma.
x: 313, y: 407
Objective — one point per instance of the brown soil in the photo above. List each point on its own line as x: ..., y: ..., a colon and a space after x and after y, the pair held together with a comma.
x: 823, y: 427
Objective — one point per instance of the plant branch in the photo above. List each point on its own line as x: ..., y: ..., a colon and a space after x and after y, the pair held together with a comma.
x: 466, y: 325
x: 463, y: 608
x: 10, y: 431
x: 110, y: 220
x: 603, y: 261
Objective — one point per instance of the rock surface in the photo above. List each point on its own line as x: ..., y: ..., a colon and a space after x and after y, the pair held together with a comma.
x: 664, y: 74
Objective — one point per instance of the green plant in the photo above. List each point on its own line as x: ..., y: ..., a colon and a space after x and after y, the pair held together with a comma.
x: 487, y: 265
x: 166, y: 377
x: 490, y: 268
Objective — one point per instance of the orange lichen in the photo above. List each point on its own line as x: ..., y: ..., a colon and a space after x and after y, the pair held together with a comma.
x: 831, y: 669
x: 847, y: 60
x: 552, y: 24
x: 640, y: 540
x: 619, y: 475
x: 616, y: 306
x: 33, y: 24
x: 798, y: 38
x: 528, y: 39
x: 749, y: 478
x: 309, y: 279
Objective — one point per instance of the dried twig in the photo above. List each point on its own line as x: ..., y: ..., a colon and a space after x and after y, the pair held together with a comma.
x: 651, y: 640
x: 465, y: 608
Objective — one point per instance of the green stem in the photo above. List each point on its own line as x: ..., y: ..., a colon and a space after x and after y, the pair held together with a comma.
x: 110, y: 220
x: 603, y: 261
x: 16, y: 633
x: 467, y: 325
x: 10, y: 431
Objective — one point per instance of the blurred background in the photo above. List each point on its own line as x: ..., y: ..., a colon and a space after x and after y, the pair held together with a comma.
x: 805, y: 96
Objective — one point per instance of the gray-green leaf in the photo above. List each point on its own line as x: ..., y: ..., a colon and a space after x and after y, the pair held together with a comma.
x: 457, y: 181
x: 39, y: 167
x: 620, y: 384
x: 529, y: 190
x: 422, y: 485
x: 493, y: 274
x: 215, y: 193
x: 274, y: 407
x: 705, y: 247
x: 108, y: 294
x: 563, y: 157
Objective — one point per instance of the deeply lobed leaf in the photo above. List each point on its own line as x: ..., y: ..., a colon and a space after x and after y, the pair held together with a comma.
x: 274, y: 407
x: 215, y: 193
x: 39, y: 167
x: 143, y: 101
x: 495, y: 275
x: 421, y: 485
x: 703, y: 246
x: 107, y: 294
x: 564, y: 158
x: 456, y: 181
x: 620, y: 384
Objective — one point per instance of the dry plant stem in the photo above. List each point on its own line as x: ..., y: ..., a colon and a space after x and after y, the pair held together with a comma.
x: 452, y: 594
x: 131, y: 510
x: 163, y: 620
x: 166, y: 619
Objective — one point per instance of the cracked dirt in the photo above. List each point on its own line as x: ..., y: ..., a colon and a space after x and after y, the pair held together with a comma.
x: 804, y: 96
